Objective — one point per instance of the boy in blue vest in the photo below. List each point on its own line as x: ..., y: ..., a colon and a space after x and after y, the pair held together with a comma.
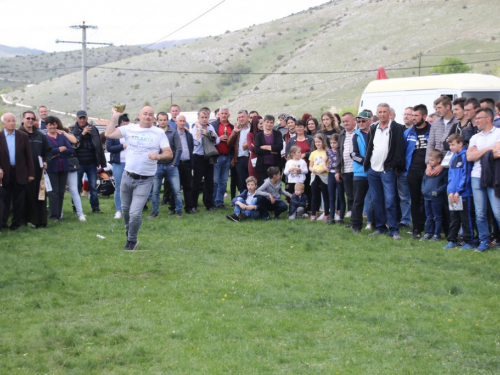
x: 460, y: 188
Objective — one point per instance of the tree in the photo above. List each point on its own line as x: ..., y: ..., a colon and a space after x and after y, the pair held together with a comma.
x: 451, y: 65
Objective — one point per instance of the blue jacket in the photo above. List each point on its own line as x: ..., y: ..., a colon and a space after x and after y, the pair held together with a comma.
x: 53, y: 164
x: 359, y: 142
x: 244, y: 196
x: 459, y: 174
x: 296, y: 202
x: 114, y: 147
x: 410, y: 140
x: 433, y: 188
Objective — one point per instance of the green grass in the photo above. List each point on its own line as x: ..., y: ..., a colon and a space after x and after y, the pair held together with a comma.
x: 205, y: 295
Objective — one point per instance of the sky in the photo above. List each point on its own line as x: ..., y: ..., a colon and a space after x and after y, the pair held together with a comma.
x: 37, y: 24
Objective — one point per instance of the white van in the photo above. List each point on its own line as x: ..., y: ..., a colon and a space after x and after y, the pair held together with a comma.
x: 400, y: 93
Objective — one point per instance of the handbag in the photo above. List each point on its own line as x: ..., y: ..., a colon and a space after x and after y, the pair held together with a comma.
x: 74, y: 165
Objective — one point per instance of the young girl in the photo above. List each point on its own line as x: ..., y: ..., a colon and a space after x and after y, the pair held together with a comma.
x: 295, y: 168
x: 318, y: 162
x: 334, y: 186
x: 329, y: 126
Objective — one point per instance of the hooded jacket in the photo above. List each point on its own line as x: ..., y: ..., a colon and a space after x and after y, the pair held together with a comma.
x: 459, y: 174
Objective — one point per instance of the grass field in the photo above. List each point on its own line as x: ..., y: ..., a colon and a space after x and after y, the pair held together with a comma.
x: 205, y: 295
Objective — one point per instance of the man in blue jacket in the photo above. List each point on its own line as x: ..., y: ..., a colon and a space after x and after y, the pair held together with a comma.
x: 416, y: 140
x: 360, y: 179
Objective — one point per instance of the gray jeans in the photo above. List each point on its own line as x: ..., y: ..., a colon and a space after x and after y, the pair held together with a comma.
x: 134, y: 194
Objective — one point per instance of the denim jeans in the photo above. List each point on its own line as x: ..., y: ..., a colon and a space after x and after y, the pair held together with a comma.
x: 73, y: 191
x: 251, y: 214
x: 172, y: 176
x: 91, y: 171
x: 368, y: 208
x: 383, y: 193
x: 404, y: 196
x: 221, y: 175
x: 134, y: 194
x: 433, y: 212
x: 118, y: 169
x: 481, y: 197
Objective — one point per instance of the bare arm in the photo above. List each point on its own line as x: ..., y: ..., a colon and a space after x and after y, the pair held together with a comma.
x: 111, y: 131
x: 166, y: 154
x: 473, y: 154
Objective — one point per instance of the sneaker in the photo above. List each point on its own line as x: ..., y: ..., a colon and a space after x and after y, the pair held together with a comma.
x: 467, y: 247
x: 321, y: 217
x: 396, y: 236
x: 305, y: 216
x: 82, y: 218
x: 450, y: 245
x: 426, y: 237
x: 178, y: 214
x: 118, y: 215
x: 194, y: 210
x: 416, y: 235
x: 243, y: 216
x: 337, y: 217
x: 313, y: 217
x: 233, y: 217
x: 96, y: 211
x: 325, y: 219
x: 331, y: 221
x: 483, y: 246
x: 340, y: 221
x: 348, y: 214
x: 368, y: 226
x: 153, y: 215
x: 436, y: 238
x: 171, y: 212
x: 376, y: 233
x: 130, y: 245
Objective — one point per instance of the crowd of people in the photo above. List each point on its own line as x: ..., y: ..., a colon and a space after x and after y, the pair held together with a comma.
x: 435, y: 173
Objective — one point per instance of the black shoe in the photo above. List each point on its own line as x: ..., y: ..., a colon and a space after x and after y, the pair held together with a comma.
x: 189, y: 212
x: 355, y: 231
x: 221, y: 207
x: 194, y: 210
x: 97, y: 211
x: 233, y: 217
x: 145, y: 207
x: 416, y: 236
x: 330, y: 221
x: 243, y: 216
x: 14, y: 228
x: 348, y: 225
x: 171, y: 212
x: 211, y: 208
x: 153, y: 215
x: 130, y: 245
x: 178, y: 214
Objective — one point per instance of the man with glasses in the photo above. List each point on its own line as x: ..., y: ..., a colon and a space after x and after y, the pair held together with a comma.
x: 487, y: 139
x: 344, y: 171
x: 90, y: 155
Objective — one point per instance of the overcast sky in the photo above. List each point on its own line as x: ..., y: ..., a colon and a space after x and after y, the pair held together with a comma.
x: 37, y: 24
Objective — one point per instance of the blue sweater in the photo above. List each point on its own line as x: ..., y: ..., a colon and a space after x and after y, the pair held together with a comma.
x: 459, y: 174
x: 433, y: 188
x: 59, y: 161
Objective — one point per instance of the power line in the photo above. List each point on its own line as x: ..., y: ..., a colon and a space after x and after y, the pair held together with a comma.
x: 462, y: 54
x: 187, y: 24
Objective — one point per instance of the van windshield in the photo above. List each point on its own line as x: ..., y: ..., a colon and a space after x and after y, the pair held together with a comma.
x: 495, y: 95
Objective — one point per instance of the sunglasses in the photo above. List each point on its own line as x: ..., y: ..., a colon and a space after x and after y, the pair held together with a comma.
x: 362, y: 121
x: 30, y: 118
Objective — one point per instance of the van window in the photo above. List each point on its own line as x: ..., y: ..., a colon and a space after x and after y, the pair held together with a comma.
x: 495, y: 95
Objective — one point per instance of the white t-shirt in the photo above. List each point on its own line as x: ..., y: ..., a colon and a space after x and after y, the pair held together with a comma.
x: 380, y: 148
x: 295, y: 176
x: 140, y: 142
x: 481, y: 141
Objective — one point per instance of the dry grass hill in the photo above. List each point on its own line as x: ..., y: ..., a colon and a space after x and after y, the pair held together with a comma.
x: 321, y: 58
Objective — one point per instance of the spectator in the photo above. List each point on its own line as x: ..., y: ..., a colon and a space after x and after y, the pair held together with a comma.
x: 298, y: 203
x: 268, y: 146
x: 318, y: 162
x: 329, y: 126
x: 90, y: 155
x: 174, y: 112
x: 186, y: 164
x: 43, y: 112
x: 490, y: 103
x: 488, y: 139
x: 295, y: 169
x: 245, y: 204
x: 384, y: 161
x: 271, y: 191
x: 35, y: 209
x: 433, y: 188
x: 16, y: 170
x: 312, y: 126
x: 256, y: 126
x: 223, y: 129
x: 344, y: 170
x: 57, y: 168
x: 241, y: 153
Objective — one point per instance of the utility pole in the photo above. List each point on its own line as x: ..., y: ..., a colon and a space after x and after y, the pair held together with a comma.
x: 419, y: 62
x: 84, y: 57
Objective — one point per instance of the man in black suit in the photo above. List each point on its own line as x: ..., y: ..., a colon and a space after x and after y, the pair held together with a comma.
x: 186, y: 163
x: 16, y: 170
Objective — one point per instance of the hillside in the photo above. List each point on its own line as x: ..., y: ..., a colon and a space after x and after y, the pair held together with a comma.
x: 321, y: 58
x: 7, y: 51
